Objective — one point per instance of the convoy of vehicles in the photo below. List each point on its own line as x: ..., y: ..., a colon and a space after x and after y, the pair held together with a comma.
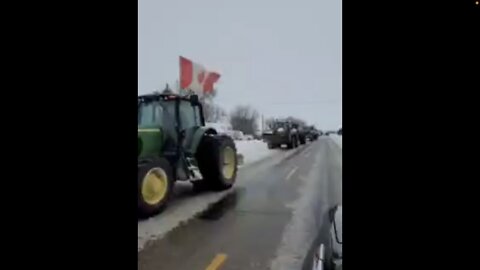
x: 327, y: 133
x: 289, y: 133
x: 302, y: 132
x: 338, y: 132
x: 175, y: 144
x: 312, y: 133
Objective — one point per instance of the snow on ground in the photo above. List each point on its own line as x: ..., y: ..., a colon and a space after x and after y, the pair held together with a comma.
x: 219, y: 127
x: 253, y: 150
x: 337, y: 139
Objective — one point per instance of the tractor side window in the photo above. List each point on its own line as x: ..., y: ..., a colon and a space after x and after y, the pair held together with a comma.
x: 145, y: 114
x: 196, y: 111
x: 280, y: 125
x: 187, y: 115
x: 169, y: 108
x: 158, y: 115
x: 149, y: 114
x: 168, y: 121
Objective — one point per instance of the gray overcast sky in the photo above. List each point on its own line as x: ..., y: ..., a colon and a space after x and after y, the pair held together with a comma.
x: 283, y: 57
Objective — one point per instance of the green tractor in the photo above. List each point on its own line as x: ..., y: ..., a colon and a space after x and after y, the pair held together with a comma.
x: 174, y: 144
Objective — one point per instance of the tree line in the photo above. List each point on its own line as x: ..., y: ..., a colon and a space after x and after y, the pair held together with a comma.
x: 243, y: 118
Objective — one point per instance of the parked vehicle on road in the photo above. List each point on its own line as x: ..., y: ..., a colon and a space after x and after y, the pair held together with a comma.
x: 330, y: 132
x: 174, y: 144
x: 283, y: 132
x: 302, y: 133
x: 312, y: 133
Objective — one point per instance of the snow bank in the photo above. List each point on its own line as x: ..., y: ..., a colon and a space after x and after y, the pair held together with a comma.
x: 337, y: 139
x: 220, y: 127
x: 253, y: 150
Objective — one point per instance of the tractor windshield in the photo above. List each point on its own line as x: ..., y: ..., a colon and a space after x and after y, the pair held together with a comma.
x: 155, y: 113
x: 149, y: 114
x: 189, y: 115
x: 280, y: 124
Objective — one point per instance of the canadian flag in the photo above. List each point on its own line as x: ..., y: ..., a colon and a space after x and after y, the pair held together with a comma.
x: 195, y: 77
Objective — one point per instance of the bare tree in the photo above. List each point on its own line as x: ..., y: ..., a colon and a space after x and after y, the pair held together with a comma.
x: 212, y: 111
x: 207, y: 109
x: 298, y: 121
x: 219, y: 113
x: 269, y: 123
x: 244, y: 119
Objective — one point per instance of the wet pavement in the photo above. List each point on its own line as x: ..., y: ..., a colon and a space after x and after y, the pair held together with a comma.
x: 250, y: 226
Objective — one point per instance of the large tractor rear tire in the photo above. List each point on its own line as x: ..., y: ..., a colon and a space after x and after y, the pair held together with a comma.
x: 291, y: 144
x: 294, y: 142
x: 217, y: 161
x: 155, y: 186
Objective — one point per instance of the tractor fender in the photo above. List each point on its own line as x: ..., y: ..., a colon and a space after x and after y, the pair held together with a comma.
x: 197, y: 137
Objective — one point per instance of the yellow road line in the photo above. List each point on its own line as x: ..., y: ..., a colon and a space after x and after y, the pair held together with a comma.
x: 217, y: 262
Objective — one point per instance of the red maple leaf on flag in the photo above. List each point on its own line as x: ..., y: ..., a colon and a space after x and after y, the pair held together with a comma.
x: 195, y: 77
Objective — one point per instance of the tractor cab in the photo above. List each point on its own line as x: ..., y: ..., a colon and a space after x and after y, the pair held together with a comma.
x: 281, y: 126
x: 167, y: 123
x: 172, y: 114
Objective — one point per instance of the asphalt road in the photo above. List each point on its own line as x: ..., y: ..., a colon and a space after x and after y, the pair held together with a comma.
x: 268, y: 220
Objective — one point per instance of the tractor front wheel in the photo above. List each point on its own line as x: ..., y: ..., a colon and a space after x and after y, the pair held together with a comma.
x: 155, y: 186
x: 217, y: 161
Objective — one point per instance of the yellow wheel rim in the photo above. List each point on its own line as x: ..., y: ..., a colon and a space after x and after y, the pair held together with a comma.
x: 229, y: 163
x: 154, y: 186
